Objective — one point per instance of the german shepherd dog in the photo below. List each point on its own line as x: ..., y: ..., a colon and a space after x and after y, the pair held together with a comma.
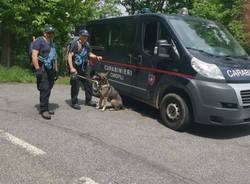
x: 107, y: 93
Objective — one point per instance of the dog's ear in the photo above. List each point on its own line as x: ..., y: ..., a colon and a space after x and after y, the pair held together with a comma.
x: 106, y: 74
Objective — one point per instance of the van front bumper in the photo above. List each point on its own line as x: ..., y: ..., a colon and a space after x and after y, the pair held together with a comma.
x: 220, y: 103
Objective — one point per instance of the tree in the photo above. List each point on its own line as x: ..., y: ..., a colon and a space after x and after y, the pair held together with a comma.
x: 19, y: 20
x: 10, y: 19
x: 156, y: 6
x: 227, y: 12
x: 246, y: 21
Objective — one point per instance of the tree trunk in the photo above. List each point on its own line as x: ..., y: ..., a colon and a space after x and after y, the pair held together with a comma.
x: 6, y: 49
x: 246, y: 19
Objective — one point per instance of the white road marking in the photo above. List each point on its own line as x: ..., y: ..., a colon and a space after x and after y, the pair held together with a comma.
x: 84, y: 180
x: 31, y: 149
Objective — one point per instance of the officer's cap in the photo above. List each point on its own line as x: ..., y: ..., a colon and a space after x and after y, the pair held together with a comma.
x: 49, y: 29
x: 83, y: 32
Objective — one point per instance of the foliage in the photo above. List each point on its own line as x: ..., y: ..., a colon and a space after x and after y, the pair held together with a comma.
x: 227, y: 12
x: 22, y: 75
x: 22, y: 19
x: 16, y: 74
x: 160, y: 6
x: 31, y: 16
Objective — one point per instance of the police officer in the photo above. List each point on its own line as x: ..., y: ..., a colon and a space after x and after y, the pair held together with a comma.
x: 78, y: 65
x: 45, y: 65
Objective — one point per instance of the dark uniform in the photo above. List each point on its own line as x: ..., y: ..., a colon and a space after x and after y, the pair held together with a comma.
x: 46, y: 74
x: 80, y: 59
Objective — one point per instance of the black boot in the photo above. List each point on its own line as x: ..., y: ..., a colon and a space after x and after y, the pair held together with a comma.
x: 76, y: 106
x: 51, y: 112
x: 90, y: 103
x: 46, y: 115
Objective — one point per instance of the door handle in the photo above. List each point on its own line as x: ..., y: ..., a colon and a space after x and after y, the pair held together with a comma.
x: 139, y: 59
x: 130, y: 56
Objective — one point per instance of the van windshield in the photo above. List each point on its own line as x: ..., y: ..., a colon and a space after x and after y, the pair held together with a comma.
x: 206, y: 36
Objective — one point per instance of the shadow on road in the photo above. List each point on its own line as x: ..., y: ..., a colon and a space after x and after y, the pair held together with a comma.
x: 80, y: 102
x: 143, y: 109
x: 208, y: 131
x: 68, y: 102
x: 219, y: 132
x: 52, y: 106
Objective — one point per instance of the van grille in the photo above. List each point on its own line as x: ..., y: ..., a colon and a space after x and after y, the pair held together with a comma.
x: 245, y: 96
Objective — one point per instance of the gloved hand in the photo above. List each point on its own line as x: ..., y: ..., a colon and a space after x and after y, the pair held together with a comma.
x: 39, y: 74
x: 56, y: 75
x: 73, y: 76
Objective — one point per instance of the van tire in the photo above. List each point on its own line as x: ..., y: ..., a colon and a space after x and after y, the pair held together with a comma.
x: 175, y: 112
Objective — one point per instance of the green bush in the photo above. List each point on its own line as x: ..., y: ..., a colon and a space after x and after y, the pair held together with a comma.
x: 19, y: 74
x: 16, y: 74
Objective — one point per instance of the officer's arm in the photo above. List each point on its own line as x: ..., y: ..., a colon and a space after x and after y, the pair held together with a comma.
x: 35, y: 59
x: 56, y: 65
x: 93, y: 56
x: 70, y: 56
x: 71, y: 67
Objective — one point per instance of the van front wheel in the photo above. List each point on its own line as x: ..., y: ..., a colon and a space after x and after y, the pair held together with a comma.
x: 174, y: 111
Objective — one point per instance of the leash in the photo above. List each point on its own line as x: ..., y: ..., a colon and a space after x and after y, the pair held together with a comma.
x: 91, y: 80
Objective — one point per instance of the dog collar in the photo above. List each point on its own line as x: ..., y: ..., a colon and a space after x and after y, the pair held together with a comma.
x: 105, y: 86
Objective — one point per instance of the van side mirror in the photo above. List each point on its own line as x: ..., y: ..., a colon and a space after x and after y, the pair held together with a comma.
x: 165, y: 49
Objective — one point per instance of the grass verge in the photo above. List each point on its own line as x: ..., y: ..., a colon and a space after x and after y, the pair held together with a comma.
x: 20, y: 75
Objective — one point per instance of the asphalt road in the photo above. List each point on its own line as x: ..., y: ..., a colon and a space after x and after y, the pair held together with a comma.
x: 124, y: 147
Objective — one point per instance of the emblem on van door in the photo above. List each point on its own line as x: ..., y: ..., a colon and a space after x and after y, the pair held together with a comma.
x: 120, y: 70
x: 151, y: 79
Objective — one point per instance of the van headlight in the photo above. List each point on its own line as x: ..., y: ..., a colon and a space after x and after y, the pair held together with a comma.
x: 206, y: 69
